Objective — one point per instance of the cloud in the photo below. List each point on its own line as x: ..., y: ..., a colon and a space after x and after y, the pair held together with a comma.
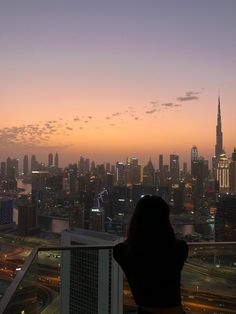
x: 189, y: 96
x: 150, y: 111
x: 191, y: 93
x: 168, y: 104
x: 153, y: 102
x: 31, y: 134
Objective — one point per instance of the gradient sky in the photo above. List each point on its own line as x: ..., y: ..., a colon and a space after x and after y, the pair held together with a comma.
x: 110, y: 79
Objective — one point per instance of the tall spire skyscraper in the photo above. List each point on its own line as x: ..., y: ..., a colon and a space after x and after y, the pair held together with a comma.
x: 219, y: 134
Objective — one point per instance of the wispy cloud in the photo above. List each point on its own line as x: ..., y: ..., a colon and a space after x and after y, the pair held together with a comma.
x: 191, y: 95
x: 151, y: 111
x: 168, y: 104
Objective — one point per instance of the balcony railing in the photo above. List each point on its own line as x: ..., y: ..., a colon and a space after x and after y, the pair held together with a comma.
x: 86, y: 279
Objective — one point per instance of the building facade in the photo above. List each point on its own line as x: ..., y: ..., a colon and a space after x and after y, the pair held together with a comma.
x: 91, y: 280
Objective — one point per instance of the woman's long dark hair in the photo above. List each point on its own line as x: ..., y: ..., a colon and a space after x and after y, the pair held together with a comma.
x: 150, y: 224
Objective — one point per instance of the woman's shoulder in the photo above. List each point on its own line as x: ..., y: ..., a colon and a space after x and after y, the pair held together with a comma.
x: 182, y: 248
x: 119, y: 250
x: 120, y: 247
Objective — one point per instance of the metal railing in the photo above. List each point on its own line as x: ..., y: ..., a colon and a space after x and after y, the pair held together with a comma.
x: 43, y: 283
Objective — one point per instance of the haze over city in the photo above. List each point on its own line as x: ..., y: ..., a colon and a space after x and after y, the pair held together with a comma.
x: 108, y: 79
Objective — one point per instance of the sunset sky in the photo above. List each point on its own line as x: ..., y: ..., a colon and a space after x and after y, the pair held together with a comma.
x: 111, y: 79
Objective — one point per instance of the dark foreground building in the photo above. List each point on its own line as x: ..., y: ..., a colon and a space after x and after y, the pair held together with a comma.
x: 225, y: 220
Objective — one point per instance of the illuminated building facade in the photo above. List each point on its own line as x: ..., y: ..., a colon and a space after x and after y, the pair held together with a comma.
x: 222, y: 173
x: 120, y: 174
x: 96, y: 219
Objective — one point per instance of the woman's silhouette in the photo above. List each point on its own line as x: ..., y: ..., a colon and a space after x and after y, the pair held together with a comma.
x: 152, y: 258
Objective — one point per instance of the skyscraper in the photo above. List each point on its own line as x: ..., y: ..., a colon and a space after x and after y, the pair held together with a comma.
x: 174, y: 168
x: 27, y: 219
x: 161, y: 164
x: 219, y: 142
x: 194, y: 156
x: 120, y: 173
x: 222, y: 173
x: 232, y: 173
x: 219, y: 134
x: 225, y: 219
x: 50, y: 159
x: 148, y: 174
x: 34, y: 163
x: 26, y: 165
x: 133, y: 171
x: 56, y: 161
x: 6, y: 211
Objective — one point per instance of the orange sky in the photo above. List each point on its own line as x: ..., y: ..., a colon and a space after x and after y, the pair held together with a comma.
x: 116, y: 79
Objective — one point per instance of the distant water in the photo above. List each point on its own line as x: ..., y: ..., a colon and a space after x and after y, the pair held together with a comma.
x: 26, y: 186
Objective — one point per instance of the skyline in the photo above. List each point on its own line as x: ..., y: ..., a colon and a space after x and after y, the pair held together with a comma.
x: 110, y: 80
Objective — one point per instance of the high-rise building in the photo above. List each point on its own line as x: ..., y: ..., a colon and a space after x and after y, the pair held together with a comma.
x: 34, y: 163
x: 39, y: 179
x: 11, y: 172
x: 174, y: 168
x: 108, y: 167
x: 81, y: 165
x: 26, y: 165
x: 56, y: 160
x: 222, y: 173
x: 185, y: 169
x: 149, y: 174
x: 219, y: 142
x: 232, y: 173
x: 6, y: 212
x: 120, y: 199
x: 225, y: 219
x: 3, y: 169
x: 194, y: 156
x: 86, y: 165
x: 50, y: 160
x: 133, y: 171
x: 91, y: 281
x: 96, y: 219
x: 109, y: 180
x: 161, y: 165
x: 199, y: 179
x: 219, y: 134
x: 12, y: 168
x: 178, y: 196
x: 27, y: 218
x: 120, y: 173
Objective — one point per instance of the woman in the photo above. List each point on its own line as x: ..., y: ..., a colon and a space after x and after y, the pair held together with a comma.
x: 152, y: 258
